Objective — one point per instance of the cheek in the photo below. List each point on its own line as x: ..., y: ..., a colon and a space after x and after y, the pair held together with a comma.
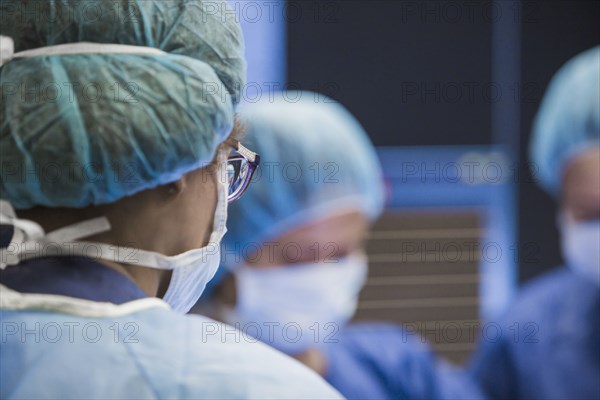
x: 581, y: 187
x: 581, y: 198
x: 582, y: 205
x: 205, y: 202
x: 210, y: 207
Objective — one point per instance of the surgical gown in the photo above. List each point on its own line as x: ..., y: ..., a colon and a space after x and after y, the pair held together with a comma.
x: 549, y: 347
x: 382, y: 361
x: 75, y: 329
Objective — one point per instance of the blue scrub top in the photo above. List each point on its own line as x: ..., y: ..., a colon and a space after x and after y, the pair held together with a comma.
x: 382, y: 361
x: 141, y: 351
x: 549, y: 346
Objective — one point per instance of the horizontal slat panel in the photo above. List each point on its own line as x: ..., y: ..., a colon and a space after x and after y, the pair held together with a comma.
x: 415, y: 234
x: 434, y: 250
x: 394, y: 220
x: 423, y: 273
x: 393, y: 268
x: 415, y: 314
x: 396, y: 292
x: 419, y: 303
x: 424, y: 280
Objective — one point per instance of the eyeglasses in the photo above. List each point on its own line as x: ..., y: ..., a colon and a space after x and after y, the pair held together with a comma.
x: 240, y: 169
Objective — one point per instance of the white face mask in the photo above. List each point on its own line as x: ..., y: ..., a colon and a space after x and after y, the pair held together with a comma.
x: 580, y: 243
x: 192, y: 270
x: 295, y: 307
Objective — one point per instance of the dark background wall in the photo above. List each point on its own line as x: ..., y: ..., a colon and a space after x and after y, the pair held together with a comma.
x: 401, y: 68
x: 420, y: 73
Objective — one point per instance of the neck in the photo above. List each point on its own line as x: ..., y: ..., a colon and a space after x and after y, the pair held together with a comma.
x: 153, y: 282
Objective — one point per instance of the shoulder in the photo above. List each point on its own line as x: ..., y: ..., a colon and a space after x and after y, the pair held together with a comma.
x: 385, y: 344
x: 397, y: 359
x: 553, y: 293
x: 168, y: 355
x: 550, y: 309
x: 233, y: 362
x: 554, y: 320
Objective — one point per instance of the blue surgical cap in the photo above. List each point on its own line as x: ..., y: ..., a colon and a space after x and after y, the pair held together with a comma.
x: 88, y: 129
x: 316, y: 160
x: 568, y: 120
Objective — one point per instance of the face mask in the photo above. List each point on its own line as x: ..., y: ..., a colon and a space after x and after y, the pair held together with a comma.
x: 295, y: 307
x: 191, y: 270
x: 581, y: 247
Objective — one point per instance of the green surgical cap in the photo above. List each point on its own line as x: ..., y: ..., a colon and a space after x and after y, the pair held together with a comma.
x: 88, y: 129
x: 568, y: 121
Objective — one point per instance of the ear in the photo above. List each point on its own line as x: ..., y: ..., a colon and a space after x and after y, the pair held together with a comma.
x: 177, y: 187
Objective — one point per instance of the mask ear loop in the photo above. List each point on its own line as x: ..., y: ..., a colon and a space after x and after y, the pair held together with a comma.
x: 29, y: 233
x: 220, y: 220
x: 24, y: 231
x: 79, y: 230
x: 6, y: 210
x: 29, y: 229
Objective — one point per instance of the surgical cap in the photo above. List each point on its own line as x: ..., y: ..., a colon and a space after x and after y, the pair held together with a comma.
x: 88, y: 129
x: 568, y: 121
x: 316, y: 160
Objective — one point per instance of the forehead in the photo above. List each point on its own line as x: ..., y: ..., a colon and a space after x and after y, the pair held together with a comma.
x: 344, y: 229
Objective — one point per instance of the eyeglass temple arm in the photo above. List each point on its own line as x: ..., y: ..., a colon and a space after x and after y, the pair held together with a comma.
x: 249, y: 154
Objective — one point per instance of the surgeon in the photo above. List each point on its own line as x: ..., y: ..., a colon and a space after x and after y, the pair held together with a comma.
x: 550, y: 347
x: 294, y: 258
x: 116, y: 123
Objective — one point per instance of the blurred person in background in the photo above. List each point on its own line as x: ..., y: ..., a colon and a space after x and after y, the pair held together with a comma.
x: 294, y: 262
x: 112, y: 210
x: 555, y: 353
